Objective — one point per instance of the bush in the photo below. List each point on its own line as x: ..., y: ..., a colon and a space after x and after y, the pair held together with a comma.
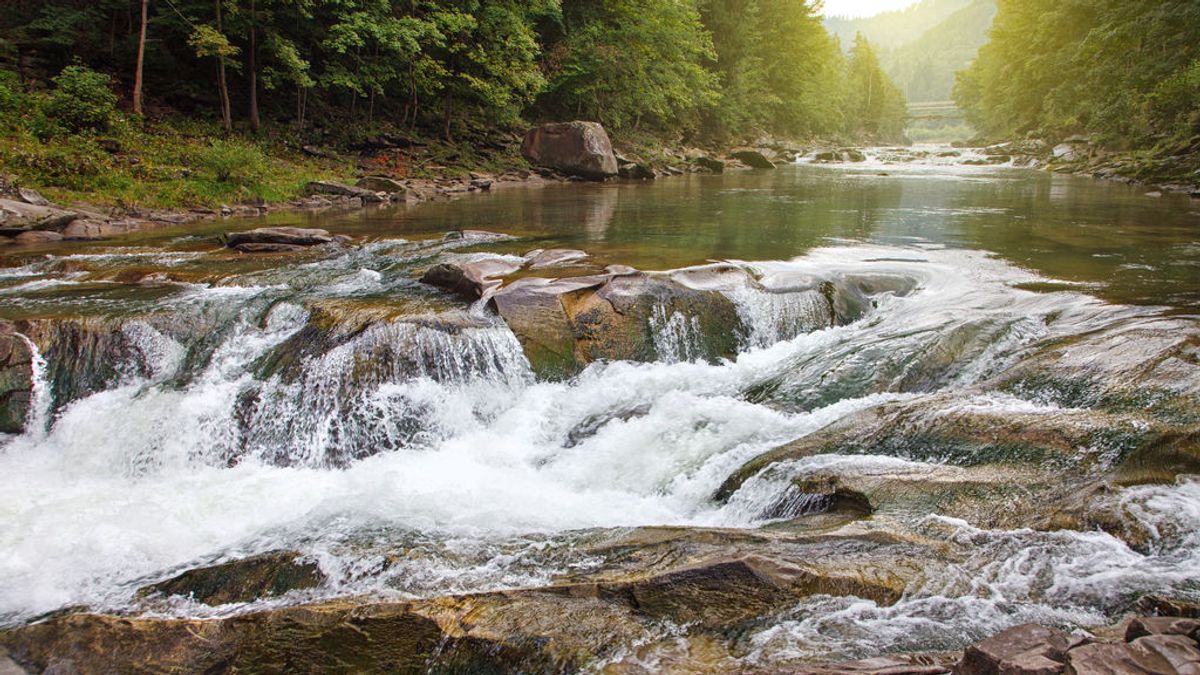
x: 81, y: 101
x: 74, y: 163
x: 233, y: 162
x: 11, y: 95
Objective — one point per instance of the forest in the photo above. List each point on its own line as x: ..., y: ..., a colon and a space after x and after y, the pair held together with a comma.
x: 720, y: 69
x: 1125, y: 72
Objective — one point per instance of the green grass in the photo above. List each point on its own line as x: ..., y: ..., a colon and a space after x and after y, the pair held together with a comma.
x: 163, y: 165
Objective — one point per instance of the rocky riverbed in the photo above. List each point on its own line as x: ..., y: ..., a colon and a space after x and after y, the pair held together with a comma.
x: 485, y: 450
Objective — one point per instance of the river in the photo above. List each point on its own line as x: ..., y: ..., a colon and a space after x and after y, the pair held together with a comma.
x: 331, y: 404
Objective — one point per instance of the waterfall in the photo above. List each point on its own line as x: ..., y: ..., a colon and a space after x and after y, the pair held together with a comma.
x: 37, y: 420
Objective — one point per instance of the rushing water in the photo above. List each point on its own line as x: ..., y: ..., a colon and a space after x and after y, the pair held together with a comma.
x: 335, y: 406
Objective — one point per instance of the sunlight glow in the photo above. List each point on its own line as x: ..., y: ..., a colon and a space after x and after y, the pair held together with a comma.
x: 858, y: 8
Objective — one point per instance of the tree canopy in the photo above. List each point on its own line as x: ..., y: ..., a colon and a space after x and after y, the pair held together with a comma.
x: 1125, y: 71
x: 721, y: 68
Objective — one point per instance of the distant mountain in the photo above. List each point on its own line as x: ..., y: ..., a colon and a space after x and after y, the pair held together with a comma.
x: 924, y: 68
x: 895, y: 29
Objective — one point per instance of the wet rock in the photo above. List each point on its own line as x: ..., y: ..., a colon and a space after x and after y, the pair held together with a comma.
x: 16, y: 380
x: 635, y: 171
x: 1162, y: 625
x: 382, y: 184
x: 566, y: 324
x: 38, y: 237
x: 481, y: 184
x: 340, y: 190
x: 554, y: 257
x: 474, y: 235
x: 56, y: 223
x: 580, y: 149
x: 289, y: 236
x: 245, y: 580
x: 1153, y: 605
x: 753, y: 159
x: 472, y: 280
x: 269, y: 248
x: 530, y: 632
x: 710, y: 164
x: 1158, y: 655
x: 908, y: 664
x: 1023, y: 650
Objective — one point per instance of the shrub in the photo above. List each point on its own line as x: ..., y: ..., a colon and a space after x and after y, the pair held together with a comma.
x: 11, y: 95
x: 81, y: 100
x: 73, y: 163
x: 233, y: 162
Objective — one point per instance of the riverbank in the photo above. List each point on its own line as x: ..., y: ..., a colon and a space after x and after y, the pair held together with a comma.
x: 1172, y: 169
x: 128, y: 184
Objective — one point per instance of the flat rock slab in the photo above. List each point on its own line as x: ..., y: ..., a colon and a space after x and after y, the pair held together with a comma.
x: 1028, y: 649
x: 554, y: 257
x: 319, y: 187
x: 294, y: 236
x: 753, y: 159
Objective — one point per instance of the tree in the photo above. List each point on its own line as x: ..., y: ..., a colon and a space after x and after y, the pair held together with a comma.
x: 141, y: 58
x: 874, y: 105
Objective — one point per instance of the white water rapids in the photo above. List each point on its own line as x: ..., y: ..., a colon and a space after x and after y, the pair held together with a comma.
x: 489, y: 473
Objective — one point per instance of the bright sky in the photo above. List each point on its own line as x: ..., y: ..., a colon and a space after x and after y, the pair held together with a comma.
x: 863, y: 7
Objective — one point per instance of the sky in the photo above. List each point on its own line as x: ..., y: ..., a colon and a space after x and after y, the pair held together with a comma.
x: 858, y: 8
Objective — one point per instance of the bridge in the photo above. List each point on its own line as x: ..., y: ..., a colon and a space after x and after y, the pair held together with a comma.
x: 934, y: 110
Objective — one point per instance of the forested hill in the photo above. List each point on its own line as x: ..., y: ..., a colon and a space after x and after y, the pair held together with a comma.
x: 890, y: 30
x: 924, y: 69
x: 1126, y: 72
x: 719, y: 69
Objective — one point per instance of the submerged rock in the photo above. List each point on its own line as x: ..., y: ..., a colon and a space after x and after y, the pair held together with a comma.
x: 245, y: 580
x: 554, y: 257
x: 580, y: 149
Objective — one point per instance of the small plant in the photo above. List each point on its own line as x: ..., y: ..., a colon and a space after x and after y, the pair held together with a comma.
x: 11, y: 96
x: 233, y: 162
x: 389, y: 164
x: 81, y: 101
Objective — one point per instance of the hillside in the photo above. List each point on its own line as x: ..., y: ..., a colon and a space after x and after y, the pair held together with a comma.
x: 891, y: 30
x: 924, y: 68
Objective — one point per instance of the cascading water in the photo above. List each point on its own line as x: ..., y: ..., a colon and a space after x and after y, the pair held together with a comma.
x: 335, y: 409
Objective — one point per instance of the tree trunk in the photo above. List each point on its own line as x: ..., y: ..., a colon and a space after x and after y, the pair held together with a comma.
x: 253, y: 67
x: 449, y: 116
x: 222, y: 83
x: 141, y: 59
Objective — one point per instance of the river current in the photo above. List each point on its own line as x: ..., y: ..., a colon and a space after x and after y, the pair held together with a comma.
x: 332, y: 405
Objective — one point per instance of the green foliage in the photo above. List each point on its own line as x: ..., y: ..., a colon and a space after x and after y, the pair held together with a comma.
x: 632, y: 64
x: 924, y: 68
x: 1116, y: 69
x: 874, y: 106
x: 81, y: 100
x: 232, y: 162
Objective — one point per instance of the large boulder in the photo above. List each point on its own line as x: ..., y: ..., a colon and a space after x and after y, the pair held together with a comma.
x: 753, y: 159
x: 471, y: 280
x: 580, y: 149
x: 565, y: 324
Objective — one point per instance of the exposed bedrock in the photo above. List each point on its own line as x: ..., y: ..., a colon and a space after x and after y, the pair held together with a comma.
x: 16, y: 379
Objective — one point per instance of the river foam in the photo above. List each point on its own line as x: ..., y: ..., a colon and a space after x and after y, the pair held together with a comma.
x: 467, y: 455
